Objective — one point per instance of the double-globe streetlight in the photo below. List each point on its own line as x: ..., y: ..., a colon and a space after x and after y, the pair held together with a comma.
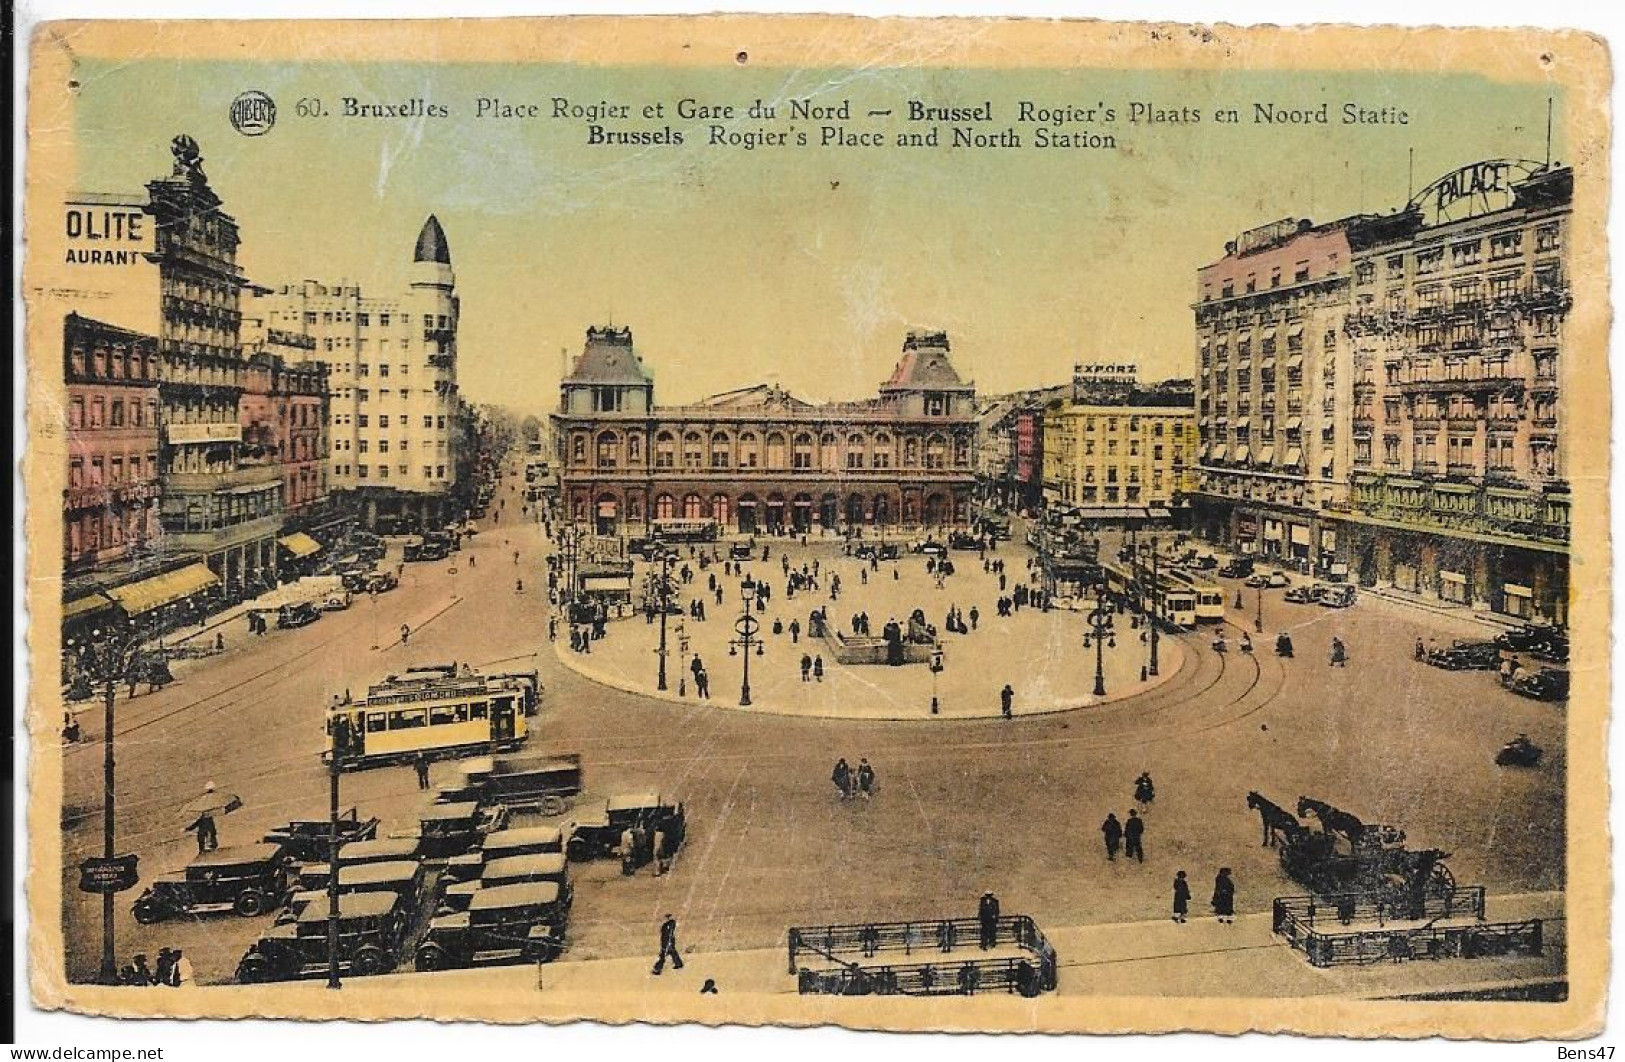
x: 1099, y: 635
x: 747, y: 627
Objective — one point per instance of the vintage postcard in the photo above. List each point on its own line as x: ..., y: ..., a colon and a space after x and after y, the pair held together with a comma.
x: 943, y: 524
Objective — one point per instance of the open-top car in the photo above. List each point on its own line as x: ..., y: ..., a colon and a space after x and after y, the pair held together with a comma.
x: 503, y: 925
x: 1547, y: 684
x: 249, y: 879
x: 1466, y: 656
x: 370, y: 926
x: 307, y: 840
x: 596, y: 836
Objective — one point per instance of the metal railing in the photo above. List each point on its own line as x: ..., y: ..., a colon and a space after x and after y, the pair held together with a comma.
x: 1029, y: 975
x: 1324, y: 930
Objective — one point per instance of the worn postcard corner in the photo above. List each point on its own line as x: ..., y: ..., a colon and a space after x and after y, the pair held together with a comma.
x: 974, y: 525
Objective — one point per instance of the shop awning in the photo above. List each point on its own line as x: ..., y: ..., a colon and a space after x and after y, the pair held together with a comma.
x: 161, y: 590
x: 1159, y: 513
x: 300, y: 544
x: 86, y: 605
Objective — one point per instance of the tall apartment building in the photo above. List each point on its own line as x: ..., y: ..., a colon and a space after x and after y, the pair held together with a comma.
x: 1378, y: 396
x: 1130, y: 459
x: 215, y: 503
x: 1457, y: 488
x: 110, y: 506
x: 1270, y: 358
x: 393, y: 416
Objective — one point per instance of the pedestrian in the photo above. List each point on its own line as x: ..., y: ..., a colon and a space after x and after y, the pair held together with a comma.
x: 658, y: 848
x: 516, y: 556
x: 208, y: 835
x: 842, y: 777
x: 795, y: 632
x: 163, y: 972
x: 987, y: 916
x: 806, y: 667
x: 702, y: 684
x: 1224, y: 896
x: 139, y: 973
x: 974, y: 616
x: 1007, y: 699
x: 1112, y: 830
x: 1133, y: 834
x: 1421, y: 650
x: 866, y: 779
x: 421, y: 765
x: 818, y: 668
x: 552, y: 628
x: 668, y: 946
x: 183, y: 970
x: 1182, y: 897
x: 1339, y: 653
x: 219, y: 642
x: 1145, y: 791
x: 406, y: 633
x: 519, y: 586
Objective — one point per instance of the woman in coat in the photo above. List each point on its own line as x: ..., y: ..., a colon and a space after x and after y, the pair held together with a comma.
x: 1182, y: 897
x: 1224, y: 896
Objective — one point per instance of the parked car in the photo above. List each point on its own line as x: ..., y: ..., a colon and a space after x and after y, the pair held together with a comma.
x: 741, y: 551
x: 370, y: 926
x: 507, y: 870
x: 300, y: 614
x: 930, y: 548
x: 248, y: 879
x: 877, y: 551
x: 1466, y: 656
x: 1268, y: 580
x: 381, y: 582
x: 336, y: 602
x: 1205, y: 562
x: 355, y: 578
x: 307, y: 840
x: 1547, y: 684
x: 1302, y: 595
x: 521, y: 923
x: 1237, y: 568
x: 1339, y: 595
x: 426, y: 550
x: 1543, y: 642
x: 963, y: 540
x: 647, y: 548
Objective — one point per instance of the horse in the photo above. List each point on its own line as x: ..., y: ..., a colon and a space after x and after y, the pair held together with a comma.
x: 1331, y: 819
x: 1274, y: 818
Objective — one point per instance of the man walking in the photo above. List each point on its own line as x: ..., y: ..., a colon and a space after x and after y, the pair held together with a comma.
x: 421, y: 764
x: 1112, y: 830
x: 806, y: 667
x: 1133, y: 831
x: 668, y: 946
x: 1007, y: 698
x: 987, y: 914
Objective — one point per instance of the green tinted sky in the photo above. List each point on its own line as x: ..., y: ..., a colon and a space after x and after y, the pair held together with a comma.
x: 732, y: 267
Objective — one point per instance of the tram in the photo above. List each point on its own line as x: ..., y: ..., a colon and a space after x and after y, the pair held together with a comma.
x: 443, y: 710
x: 1175, y: 603
x: 1209, y: 595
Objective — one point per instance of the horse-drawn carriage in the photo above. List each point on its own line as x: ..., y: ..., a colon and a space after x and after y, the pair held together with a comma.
x: 1347, y: 858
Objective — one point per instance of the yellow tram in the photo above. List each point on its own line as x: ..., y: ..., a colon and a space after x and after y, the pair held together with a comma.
x: 441, y: 710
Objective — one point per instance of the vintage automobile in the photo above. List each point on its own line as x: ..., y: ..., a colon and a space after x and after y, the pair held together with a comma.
x: 964, y: 540
x: 1466, y: 656
x: 337, y: 602
x: 403, y: 877
x: 886, y: 551
x: 1304, y: 595
x: 306, y: 840
x: 1519, y: 752
x: 426, y: 549
x: 300, y: 614
x: 646, y: 548
x: 507, y: 924
x: 1340, y: 595
x: 741, y: 551
x: 929, y: 547
x: 508, y: 870
x: 543, y: 782
x: 248, y: 879
x: 381, y: 582
x: 370, y: 929
x: 1268, y: 580
x: 1205, y: 562
x: 1547, y: 684
x: 446, y: 830
x: 355, y: 578
x: 598, y: 835
x: 1540, y: 641
x: 527, y: 840
x: 1237, y: 568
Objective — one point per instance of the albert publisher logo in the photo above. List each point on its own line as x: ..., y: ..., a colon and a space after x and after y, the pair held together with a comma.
x: 253, y: 113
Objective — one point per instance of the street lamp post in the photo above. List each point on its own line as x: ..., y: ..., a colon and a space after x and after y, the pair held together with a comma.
x: 108, y: 656
x: 747, y: 625
x: 664, y: 599
x: 1258, y: 618
x: 333, y: 868
x: 1156, y: 610
x: 1100, y: 632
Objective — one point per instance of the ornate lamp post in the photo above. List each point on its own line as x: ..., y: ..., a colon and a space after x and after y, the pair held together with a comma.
x: 1100, y: 633
x: 664, y: 598
x: 747, y: 625
x: 109, y: 655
